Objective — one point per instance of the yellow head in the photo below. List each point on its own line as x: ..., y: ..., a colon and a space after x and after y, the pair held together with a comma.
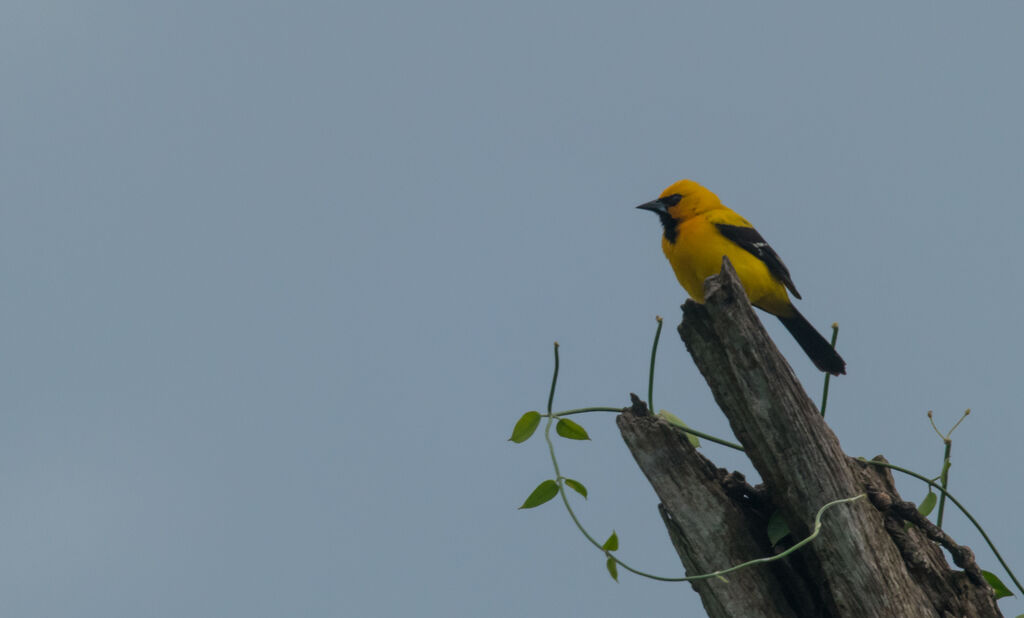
x: 681, y: 201
x: 694, y: 199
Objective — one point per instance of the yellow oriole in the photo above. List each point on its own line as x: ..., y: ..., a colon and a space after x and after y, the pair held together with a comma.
x: 699, y: 231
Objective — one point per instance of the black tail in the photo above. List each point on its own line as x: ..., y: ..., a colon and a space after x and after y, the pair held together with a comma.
x: 817, y: 347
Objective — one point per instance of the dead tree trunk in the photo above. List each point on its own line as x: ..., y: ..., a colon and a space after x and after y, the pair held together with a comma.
x: 864, y: 563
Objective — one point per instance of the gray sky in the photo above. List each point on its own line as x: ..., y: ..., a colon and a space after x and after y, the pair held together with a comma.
x: 279, y: 279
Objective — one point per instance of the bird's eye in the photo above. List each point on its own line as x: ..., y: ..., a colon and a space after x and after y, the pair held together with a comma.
x: 671, y: 200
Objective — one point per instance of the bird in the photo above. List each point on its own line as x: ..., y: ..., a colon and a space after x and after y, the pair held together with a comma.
x: 698, y: 231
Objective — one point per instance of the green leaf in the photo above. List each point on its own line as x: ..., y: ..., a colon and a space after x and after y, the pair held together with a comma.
x: 777, y: 528
x: 544, y: 492
x: 928, y: 503
x: 612, y: 544
x: 613, y: 568
x: 578, y: 486
x: 997, y: 585
x: 675, y: 420
x: 525, y: 427
x: 571, y: 430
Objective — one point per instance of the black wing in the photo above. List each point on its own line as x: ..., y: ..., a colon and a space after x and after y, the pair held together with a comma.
x: 749, y: 239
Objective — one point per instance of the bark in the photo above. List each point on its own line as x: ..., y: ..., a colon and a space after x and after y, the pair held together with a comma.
x: 864, y: 563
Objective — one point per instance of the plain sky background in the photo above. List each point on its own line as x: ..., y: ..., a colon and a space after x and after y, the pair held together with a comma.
x: 280, y: 277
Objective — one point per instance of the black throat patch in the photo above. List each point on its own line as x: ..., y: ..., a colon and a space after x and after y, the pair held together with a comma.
x: 670, y: 224
x: 671, y: 227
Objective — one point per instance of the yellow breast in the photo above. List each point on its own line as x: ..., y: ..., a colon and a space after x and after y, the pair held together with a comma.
x: 697, y: 254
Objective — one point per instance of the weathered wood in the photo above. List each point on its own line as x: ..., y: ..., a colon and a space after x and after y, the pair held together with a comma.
x: 860, y: 565
x: 710, y: 531
x: 952, y: 593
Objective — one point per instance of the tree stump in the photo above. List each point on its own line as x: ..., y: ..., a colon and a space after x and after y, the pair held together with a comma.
x: 865, y: 563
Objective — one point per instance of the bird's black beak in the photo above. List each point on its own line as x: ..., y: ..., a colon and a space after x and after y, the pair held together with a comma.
x: 658, y: 207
